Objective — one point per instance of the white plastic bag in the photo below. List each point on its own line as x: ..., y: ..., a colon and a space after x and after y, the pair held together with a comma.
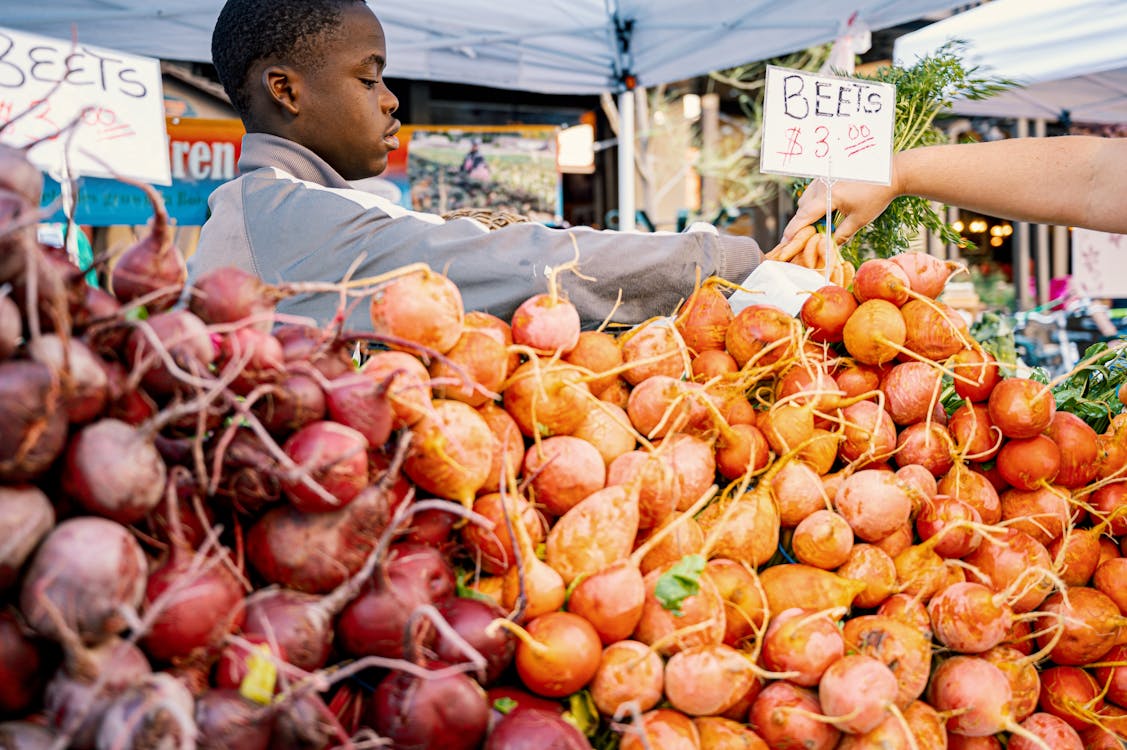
x: 784, y: 285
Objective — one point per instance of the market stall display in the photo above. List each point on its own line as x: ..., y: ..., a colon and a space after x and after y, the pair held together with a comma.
x: 853, y: 528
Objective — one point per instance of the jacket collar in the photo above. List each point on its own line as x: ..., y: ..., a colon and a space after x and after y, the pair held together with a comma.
x: 264, y: 150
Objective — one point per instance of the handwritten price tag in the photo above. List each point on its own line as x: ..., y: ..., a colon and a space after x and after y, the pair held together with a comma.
x: 828, y: 127
x: 114, y: 100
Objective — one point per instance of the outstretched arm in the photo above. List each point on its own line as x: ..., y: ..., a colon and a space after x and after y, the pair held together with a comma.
x: 1069, y: 180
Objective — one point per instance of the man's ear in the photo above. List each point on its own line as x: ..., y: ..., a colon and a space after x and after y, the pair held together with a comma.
x: 280, y: 83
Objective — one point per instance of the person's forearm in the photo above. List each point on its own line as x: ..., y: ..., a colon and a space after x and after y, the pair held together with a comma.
x: 1070, y: 180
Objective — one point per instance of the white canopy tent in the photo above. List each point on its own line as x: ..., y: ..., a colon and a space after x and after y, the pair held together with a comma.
x: 1069, y: 57
x: 549, y: 46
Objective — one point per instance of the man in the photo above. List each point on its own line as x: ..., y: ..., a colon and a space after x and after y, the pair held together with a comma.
x: 306, y: 77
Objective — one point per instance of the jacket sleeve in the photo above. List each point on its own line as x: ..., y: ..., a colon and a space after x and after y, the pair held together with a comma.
x: 495, y: 270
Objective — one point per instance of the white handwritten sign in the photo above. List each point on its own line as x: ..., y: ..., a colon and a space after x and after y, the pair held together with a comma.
x: 115, y: 101
x: 827, y: 126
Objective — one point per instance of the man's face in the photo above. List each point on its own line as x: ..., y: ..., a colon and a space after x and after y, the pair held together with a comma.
x: 345, y: 108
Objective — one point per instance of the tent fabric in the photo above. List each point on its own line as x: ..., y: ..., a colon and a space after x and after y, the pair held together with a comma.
x: 1068, y: 56
x: 549, y: 46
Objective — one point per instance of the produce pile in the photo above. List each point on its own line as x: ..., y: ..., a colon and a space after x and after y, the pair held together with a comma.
x: 851, y: 529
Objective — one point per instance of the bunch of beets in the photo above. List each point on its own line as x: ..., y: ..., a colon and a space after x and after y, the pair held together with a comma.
x: 225, y: 527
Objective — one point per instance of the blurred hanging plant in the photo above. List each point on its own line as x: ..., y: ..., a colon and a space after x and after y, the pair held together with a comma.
x: 733, y: 160
x: 924, y: 91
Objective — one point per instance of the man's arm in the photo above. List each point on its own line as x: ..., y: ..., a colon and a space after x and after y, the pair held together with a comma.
x: 302, y: 232
x: 1068, y: 180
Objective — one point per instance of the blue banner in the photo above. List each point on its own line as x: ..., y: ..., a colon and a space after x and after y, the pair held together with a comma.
x: 106, y: 202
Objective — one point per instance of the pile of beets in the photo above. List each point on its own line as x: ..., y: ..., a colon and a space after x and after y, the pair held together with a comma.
x: 225, y: 527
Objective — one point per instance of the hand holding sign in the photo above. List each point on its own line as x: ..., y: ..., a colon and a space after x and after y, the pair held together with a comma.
x: 828, y: 128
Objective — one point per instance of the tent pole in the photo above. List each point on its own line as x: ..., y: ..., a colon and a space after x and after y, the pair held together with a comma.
x: 626, y: 161
x: 1021, y: 246
x: 1044, y: 270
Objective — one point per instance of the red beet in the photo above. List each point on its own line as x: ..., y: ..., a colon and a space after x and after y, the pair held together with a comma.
x: 374, y: 623
x: 114, y: 470
x: 88, y: 569
x: 300, y: 623
x: 15, y: 244
x: 226, y: 719
x: 310, y: 346
x: 188, y: 344
x: 229, y: 295
x: 153, y: 263
x: 446, y: 713
x: 331, y: 455
x: 80, y: 371
x: 156, y: 712
x: 249, y: 476
x: 24, y: 735
x: 71, y: 702
x: 35, y: 423
x: 360, y: 401
x: 470, y: 619
x: 292, y: 402
x: 535, y: 729
x: 196, y: 617
x: 316, y: 552
x: 26, y: 516
x: 25, y: 662
x: 257, y: 354
x: 131, y: 405
x: 301, y: 724
x: 11, y: 326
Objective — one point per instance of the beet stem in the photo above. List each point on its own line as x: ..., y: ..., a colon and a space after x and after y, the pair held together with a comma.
x: 285, y: 669
x: 32, y: 253
x: 518, y: 557
x: 224, y: 554
x: 425, y: 353
x: 280, y: 455
x: 74, y: 721
x: 637, y: 724
x: 162, y: 354
x: 445, y: 629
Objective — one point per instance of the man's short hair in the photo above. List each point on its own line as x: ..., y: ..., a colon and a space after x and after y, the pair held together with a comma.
x: 250, y: 30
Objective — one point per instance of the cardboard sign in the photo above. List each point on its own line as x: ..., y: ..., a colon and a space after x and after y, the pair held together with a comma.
x: 827, y: 126
x: 115, y: 100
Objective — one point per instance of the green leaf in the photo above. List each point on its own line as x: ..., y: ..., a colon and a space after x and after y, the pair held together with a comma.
x: 681, y: 581
x: 464, y: 591
x: 582, y: 713
x: 504, y: 705
x: 137, y: 313
x: 1092, y: 393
